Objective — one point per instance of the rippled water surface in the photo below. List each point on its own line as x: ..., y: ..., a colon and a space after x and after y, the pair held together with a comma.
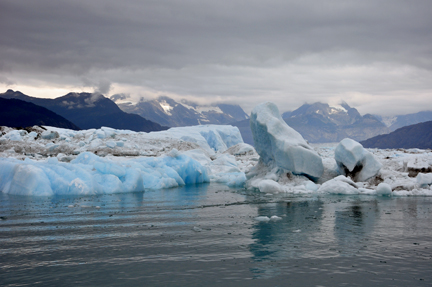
x: 207, y: 235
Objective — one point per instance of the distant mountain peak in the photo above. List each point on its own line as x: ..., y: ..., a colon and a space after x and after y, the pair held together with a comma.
x: 167, y: 111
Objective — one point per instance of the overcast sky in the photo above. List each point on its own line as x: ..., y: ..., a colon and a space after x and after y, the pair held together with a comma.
x: 375, y: 55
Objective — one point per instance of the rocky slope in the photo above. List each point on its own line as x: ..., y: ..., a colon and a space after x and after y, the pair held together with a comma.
x: 413, y: 136
x: 18, y: 113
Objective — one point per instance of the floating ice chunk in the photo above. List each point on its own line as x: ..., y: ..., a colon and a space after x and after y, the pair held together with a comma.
x: 339, y: 185
x: 50, y: 135
x: 120, y: 143
x: 197, y: 229
x: 90, y: 174
x: 384, y: 189
x: 262, y: 218
x: 275, y: 218
x: 276, y: 142
x: 424, y: 179
x: 353, y: 160
x: 269, y: 186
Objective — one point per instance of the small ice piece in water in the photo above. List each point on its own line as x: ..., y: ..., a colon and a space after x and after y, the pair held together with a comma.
x: 296, y: 231
x: 197, y: 229
x: 278, y: 143
x: 384, y: 189
x: 339, y: 185
x: 353, y: 160
x: 275, y: 218
x: 269, y: 186
x: 262, y: 218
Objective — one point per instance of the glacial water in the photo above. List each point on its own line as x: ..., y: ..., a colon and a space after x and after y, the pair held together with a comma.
x: 208, y: 235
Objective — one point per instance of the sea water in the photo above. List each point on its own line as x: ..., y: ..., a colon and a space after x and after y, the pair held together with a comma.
x: 210, y: 235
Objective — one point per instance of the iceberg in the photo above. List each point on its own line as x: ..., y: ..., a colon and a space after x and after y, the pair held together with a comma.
x: 279, y: 144
x: 354, y: 161
x: 91, y: 174
x: 339, y: 185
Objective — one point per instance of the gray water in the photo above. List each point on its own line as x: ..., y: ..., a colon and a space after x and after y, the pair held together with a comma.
x: 207, y: 235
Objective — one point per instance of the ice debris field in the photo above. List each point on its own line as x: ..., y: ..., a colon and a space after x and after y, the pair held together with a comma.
x: 44, y: 161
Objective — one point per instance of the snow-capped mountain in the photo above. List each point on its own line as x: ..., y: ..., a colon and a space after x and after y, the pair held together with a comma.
x: 320, y: 123
x: 168, y: 112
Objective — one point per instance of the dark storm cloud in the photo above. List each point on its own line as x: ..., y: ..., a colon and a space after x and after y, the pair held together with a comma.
x: 194, y: 47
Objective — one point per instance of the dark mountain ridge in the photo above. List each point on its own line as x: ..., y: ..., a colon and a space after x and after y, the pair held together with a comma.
x: 88, y: 110
x: 413, y: 136
x: 19, y: 113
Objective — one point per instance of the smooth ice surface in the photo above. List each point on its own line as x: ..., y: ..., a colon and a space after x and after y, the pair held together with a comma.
x: 354, y: 160
x: 276, y: 142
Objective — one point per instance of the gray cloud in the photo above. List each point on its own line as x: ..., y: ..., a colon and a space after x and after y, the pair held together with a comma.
x: 289, y: 52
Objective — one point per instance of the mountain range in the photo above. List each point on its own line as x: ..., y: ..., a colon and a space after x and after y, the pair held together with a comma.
x: 321, y: 123
x: 397, y: 122
x: 413, y: 136
x: 317, y: 122
x: 169, y: 112
x: 18, y: 113
x: 87, y: 110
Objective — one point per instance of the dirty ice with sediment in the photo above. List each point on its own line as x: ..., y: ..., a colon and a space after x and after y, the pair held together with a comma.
x: 44, y: 161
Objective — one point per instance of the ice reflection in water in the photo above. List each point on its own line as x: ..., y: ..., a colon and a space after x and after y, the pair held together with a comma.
x: 208, y: 235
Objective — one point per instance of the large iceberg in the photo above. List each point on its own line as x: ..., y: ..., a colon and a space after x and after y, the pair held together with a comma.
x: 353, y: 160
x: 279, y: 144
x: 91, y: 174
x: 48, y: 160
